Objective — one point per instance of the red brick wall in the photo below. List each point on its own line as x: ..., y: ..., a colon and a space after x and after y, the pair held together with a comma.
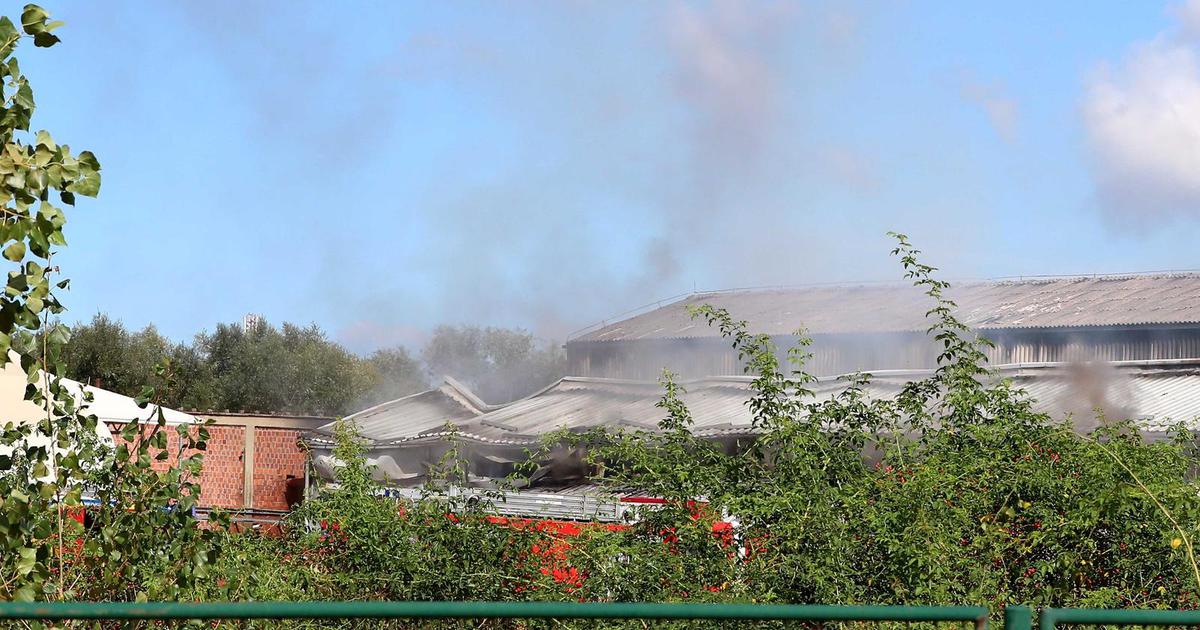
x: 276, y: 456
x: 221, y: 479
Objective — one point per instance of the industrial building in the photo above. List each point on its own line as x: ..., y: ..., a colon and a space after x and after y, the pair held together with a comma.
x: 1127, y: 345
x: 1137, y: 317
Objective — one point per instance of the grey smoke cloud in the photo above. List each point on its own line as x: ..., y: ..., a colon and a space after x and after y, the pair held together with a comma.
x: 725, y: 70
x: 1002, y: 111
x: 637, y: 175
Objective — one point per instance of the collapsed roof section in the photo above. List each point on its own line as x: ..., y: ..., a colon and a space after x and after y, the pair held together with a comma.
x: 431, y: 410
x: 408, y: 436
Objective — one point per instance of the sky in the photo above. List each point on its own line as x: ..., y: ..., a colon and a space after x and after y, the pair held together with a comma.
x: 380, y: 168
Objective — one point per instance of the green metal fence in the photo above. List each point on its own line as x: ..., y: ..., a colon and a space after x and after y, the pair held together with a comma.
x: 1052, y: 617
x: 58, y: 611
x: 1015, y: 617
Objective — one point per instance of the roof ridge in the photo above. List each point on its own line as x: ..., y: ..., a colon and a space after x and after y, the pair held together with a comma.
x: 1146, y: 297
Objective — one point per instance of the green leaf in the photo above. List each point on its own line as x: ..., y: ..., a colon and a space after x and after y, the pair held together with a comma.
x: 17, y: 283
x: 88, y: 160
x: 15, y: 252
x: 24, y: 96
x: 145, y: 397
x: 8, y: 39
x: 16, y: 181
x: 44, y: 140
x: 88, y: 185
x: 52, y: 214
x: 28, y: 559
x: 25, y: 593
x: 45, y: 40
x: 33, y: 19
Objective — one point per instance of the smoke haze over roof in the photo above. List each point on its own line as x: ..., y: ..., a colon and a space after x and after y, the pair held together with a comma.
x: 383, y: 168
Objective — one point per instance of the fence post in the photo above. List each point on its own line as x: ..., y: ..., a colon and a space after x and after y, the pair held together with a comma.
x: 1018, y: 618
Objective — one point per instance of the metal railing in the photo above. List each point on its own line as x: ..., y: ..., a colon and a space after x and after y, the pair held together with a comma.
x: 1015, y: 617
x: 1052, y: 617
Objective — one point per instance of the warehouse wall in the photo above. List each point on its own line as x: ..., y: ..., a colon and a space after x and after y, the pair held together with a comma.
x: 644, y: 359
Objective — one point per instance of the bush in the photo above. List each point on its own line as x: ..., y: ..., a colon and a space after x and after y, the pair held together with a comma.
x: 954, y: 492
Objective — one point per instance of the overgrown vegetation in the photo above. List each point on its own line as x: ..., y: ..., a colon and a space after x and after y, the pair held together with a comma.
x: 953, y: 492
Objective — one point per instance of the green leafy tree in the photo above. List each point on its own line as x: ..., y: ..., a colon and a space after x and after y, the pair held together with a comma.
x: 500, y: 364
x: 98, y: 354
x: 391, y: 373
x: 103, y: 353
x: 290, y: 370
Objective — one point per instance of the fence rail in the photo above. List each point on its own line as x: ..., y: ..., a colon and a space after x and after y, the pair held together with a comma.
x: 1015, y: 617
x: 1052, y: 617
x: 59, y: 611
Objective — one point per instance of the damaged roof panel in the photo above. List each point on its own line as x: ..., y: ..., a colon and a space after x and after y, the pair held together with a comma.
x: 1157, y: 394
x: 435, y: 409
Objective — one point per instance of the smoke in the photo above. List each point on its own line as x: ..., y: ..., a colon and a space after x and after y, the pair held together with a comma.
x: 288, y: 69
x: 725, y: 71
x: 654, y: 170
x: 662, y: 147
x: 1142, y: 120
x: 1095, y: 395
x: 1002, y: 111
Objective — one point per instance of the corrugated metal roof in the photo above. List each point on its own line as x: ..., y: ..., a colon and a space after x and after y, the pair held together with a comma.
x: 435, y: 409
x: 1124, y: 300
x: 581, y: 403
x: 1156, y: 393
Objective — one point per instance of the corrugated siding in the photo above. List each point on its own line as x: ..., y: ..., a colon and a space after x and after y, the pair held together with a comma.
x: 841, y: 354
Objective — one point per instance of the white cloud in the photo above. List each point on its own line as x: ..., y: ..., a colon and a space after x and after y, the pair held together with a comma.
x: 1142, y: 122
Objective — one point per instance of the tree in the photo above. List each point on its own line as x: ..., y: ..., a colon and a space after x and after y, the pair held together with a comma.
x: 292, y: 369
x: 98, y: 354
x: 104, y: 354
x: 392, y: 373
x: 136, y: 549
x: 501, y: 364
x: 297, y: 369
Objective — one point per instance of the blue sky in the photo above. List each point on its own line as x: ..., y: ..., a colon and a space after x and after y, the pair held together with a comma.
x: 383, y: 167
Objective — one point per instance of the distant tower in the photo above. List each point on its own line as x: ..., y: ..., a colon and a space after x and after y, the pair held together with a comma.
x: 251, y: 322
